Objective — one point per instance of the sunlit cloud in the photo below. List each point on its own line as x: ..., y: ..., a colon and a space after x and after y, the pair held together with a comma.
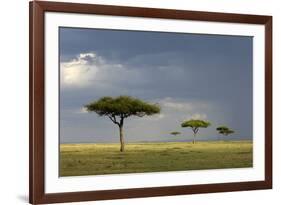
x: 196, y: 116
x: 182, y: 105
x: 82, y: 110
x: 79, y: 71
x: 156, y: 117
x: 88, y: 69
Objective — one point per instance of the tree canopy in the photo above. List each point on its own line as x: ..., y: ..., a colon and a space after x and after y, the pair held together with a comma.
x: 225, y: 130
x: 122, y: 107
x: 175, y: 133
x: 196, y: 123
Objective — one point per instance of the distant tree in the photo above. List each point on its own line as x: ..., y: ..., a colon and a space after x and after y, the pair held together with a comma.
x: 224, y: 130
x: 195, y: 125
x: 175, y: 133
x: 119, y: 108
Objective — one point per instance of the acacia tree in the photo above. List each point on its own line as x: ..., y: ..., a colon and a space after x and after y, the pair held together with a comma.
x: 119, y: 108
x: 195, y: 125
x: 224, y: 130
x: 175, y: 133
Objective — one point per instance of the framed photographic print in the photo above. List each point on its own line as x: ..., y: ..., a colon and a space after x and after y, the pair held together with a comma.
x: 138, y: 102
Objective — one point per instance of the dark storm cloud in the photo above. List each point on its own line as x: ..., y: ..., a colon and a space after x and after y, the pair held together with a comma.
x: 179, y: 71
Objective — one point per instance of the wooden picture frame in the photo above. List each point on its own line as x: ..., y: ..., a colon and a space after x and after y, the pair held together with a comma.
x: 37, y: 193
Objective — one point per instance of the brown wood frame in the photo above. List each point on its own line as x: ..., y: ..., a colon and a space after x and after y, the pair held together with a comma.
x: 36, y: 113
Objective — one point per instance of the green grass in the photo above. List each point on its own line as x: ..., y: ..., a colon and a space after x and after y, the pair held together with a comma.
x: 95, y: 159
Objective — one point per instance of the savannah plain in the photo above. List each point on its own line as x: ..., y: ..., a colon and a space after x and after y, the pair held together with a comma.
x: 99, y: 159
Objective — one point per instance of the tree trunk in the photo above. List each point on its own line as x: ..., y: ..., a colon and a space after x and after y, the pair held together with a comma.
x: 194, y: 135
x: 122, y: 144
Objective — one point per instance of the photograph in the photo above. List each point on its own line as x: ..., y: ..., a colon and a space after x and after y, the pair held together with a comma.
x: 147, y: 101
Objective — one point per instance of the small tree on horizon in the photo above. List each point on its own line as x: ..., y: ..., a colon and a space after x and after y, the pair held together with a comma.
x: 195, y: 125
x: 175, y: 133
x: 119, y: 108
x: 224, y: 130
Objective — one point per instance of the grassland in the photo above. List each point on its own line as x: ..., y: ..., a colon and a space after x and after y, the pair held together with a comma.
x: 95, y: 159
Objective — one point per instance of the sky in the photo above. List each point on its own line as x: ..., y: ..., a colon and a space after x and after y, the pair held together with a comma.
x: 191, y: 76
